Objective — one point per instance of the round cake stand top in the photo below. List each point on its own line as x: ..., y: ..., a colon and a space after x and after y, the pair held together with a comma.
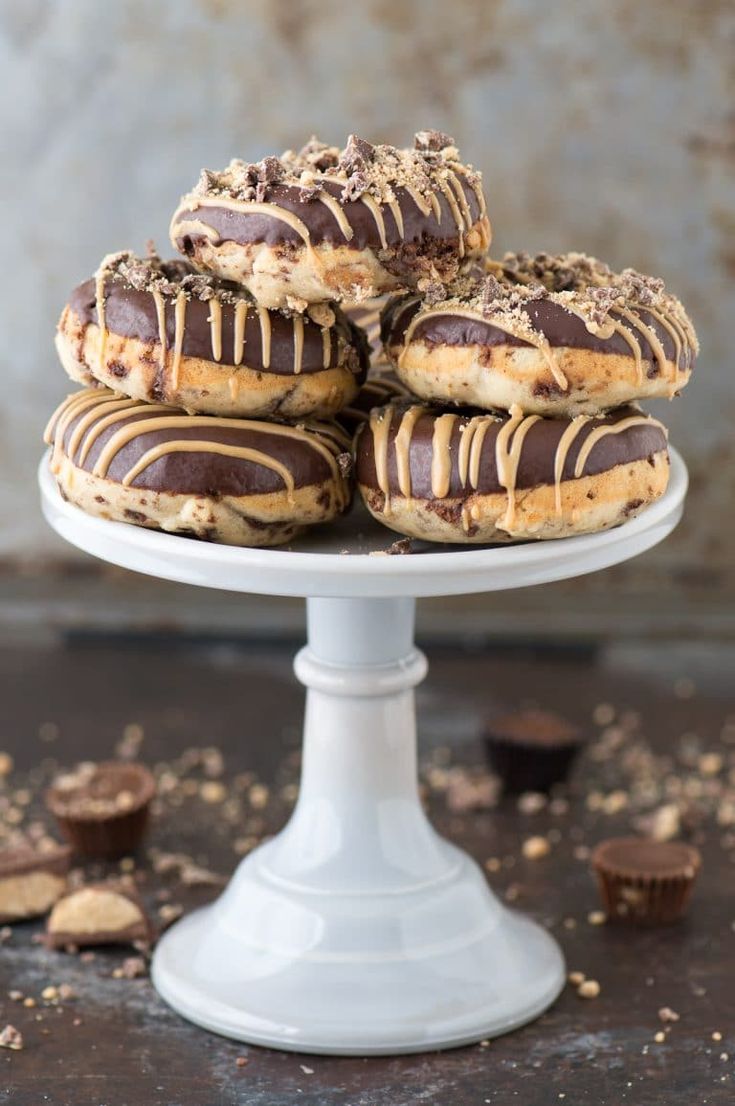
x: 350, y: 557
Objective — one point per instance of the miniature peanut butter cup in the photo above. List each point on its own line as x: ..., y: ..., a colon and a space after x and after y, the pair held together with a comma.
x: 99, y: 914
x: 102, y: 809
x: 531, y: 750
x: 646, y: 882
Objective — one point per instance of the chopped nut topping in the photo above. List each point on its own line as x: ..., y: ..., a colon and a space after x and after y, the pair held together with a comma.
x: 359, y: 168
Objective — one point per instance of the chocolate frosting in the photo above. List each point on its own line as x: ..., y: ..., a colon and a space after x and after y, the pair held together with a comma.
x: 244, y: 227
x: 132, y: 314
x: 561, y: 328
x: 206, y: 473
x: 536, y: 466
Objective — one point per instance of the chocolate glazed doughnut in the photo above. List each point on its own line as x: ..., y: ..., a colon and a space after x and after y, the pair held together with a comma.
x: 560, y: 335
x: 467, y: 477
x: 326, y: 224
x: 236, y: 481
x: 161, y: 332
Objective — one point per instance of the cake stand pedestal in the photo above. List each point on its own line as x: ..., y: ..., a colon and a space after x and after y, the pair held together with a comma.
x: 358, y: 929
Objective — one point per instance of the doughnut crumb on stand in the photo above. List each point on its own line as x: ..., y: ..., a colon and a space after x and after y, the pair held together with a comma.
x: 328, y: 224
x: 557, y: 334
x: 458, y: 477
x: 159, y: 331
x: 235, y: 481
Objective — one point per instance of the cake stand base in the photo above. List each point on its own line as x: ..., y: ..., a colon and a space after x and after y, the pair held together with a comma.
x: 358, y: 929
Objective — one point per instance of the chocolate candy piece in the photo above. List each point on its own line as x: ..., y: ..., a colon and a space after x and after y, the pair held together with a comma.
x: 99, y: 914
x: 31, y: 880
x: 102, y: 809
x: 531, y: 750
x: 645, y: 882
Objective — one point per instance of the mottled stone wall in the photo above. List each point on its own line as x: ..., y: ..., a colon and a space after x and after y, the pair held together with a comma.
x: 603, y: 127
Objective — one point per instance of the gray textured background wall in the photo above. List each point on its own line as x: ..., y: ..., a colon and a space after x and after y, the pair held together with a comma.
x: 607, y: 127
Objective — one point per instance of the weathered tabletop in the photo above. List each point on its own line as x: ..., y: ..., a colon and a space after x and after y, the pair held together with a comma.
x: 116, y: 1044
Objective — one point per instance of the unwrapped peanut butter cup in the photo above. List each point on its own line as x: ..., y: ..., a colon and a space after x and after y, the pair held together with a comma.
x: 531, y: 750
x: 99, y: 914
x: 645, y: 882
x: 31, y: 879
x: 102, y: 809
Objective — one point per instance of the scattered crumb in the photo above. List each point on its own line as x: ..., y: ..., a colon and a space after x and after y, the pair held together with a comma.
x: 589, y: 988
x: 597, y: 917
x: 531, y: 802
x: 306, y: 1071
x: 133, y: 967
x: 212, y: 791
x: 6, y: 764
x: 535, y: 847
x: 684, y: 687
x: 666, y: 1014
x: 603, y: 714
x: 11, y: 1038
x: 659, y: 1037
x: 242, y: 1061
x: 716, y: 1036
x: 48, y: 731
x: 576, y: 978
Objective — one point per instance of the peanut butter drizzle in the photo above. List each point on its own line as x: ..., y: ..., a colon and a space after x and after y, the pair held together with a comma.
x: 651, y: 337
x: 118, y: 411
x: 477, y: 425
x: 179, y: 327
x: 245, y: 207
x: 298, y: 343
x: 337, y: 211
x: 508, y: 449
x: 611, y: 428
x: 265, y: 336
x: 161, y: 316
x: 541, y: 345
x: 62, y: 417
x: 326, y: 347
x: 324, y: 439
x: 238, y: 346
x: 451, y: 200
x: 436, y: 207
x: 380, y: 421
x: 243, y: 453
x: 441, y: 455
x: 87, y: 420
x: 99, y: 297
x: 464, y: 207
x: 377, y: 215
x: 562, y: 451
x: 478, y: 439
x: 402, y: 445
x: 423, y: 206
x: 395, y: 210
x: 215, y: 323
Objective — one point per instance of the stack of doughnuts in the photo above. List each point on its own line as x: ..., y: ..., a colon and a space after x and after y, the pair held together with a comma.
x: 525, y: 424
x: 219, y: 389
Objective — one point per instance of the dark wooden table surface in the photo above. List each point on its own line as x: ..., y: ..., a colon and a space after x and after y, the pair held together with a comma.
x: 653, y: 732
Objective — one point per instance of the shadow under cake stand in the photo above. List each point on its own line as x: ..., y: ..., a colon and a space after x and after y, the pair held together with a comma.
x: 357, y: 929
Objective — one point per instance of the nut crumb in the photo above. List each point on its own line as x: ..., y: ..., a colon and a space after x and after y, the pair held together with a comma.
x: 589, y: 988
x: 666, y: 1014
x: 576, y: 978
x: 11, y: 1038
x: 535, y: 847
x: 597, y: 917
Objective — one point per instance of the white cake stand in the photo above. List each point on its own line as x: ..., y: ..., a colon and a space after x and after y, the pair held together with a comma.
x: 358, y: 929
